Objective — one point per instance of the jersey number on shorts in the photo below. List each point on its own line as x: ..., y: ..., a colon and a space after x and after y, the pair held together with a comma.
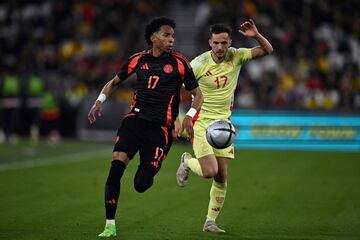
x: 219, y: 81
x: 159, y: 153
x: 153, y: 80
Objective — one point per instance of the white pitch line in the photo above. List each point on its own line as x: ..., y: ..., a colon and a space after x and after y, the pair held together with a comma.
x: 48, y: 161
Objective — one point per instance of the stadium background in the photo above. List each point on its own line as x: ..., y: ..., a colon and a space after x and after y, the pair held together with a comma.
x: 55, y: 57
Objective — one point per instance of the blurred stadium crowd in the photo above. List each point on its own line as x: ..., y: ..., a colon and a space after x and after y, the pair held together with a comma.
x: 55, y: 54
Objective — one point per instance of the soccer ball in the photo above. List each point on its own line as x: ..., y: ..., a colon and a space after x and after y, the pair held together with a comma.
x: 220, y: 134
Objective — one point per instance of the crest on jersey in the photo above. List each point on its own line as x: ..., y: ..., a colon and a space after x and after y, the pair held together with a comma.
x: 229, y: 66
x: 168, y: 68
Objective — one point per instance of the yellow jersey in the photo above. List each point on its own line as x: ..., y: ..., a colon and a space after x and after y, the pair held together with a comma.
x: 218, y: 81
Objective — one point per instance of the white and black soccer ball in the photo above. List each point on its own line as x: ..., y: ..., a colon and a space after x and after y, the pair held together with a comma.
x: 220, y: 134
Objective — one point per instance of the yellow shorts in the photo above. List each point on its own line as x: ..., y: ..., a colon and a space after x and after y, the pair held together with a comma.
x: 200, y: 144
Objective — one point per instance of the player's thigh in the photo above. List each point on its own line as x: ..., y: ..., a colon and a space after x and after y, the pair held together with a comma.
x: 200, y: 145
x: 127, y: 138
x: 209, y: 165
x: 154, y: 148
x: 226, y: 152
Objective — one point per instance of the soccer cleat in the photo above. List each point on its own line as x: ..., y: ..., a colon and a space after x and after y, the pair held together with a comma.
x: 109, y: 231
x: 183, y: 170
x: 210, y: 226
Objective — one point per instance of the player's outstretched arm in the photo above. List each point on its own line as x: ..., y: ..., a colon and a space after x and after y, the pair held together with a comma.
x: 195, y: 107
x: 249, y: 29
x: 96, y: 108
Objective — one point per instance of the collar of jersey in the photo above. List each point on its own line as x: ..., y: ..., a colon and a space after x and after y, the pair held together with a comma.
x: 148, y: 52
x: 212, y: 62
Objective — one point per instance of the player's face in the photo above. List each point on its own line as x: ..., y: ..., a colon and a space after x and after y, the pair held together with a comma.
x: 220, y: 44
x: 164, y: 38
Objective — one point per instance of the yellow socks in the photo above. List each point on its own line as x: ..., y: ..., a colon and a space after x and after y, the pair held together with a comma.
x: 217, y: 198
x: 217, y: 191
x: 194, y: 165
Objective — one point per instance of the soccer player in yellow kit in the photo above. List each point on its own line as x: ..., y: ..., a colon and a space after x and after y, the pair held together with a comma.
x: 217, y: 72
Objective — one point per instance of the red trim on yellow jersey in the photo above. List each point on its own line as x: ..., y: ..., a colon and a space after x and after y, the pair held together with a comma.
x: 195, y: 118
x: 231, y: 108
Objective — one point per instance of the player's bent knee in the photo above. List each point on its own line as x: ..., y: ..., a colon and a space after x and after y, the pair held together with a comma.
x: 143, y: 181
x: 121, y: 156
x: 141, y: 187
x: 210, y: 172
x: 209, y: 166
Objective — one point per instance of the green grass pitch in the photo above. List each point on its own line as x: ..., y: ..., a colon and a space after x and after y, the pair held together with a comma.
x: 57, y: 193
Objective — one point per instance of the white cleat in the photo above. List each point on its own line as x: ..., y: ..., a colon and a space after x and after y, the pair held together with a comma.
x: 182, y: 173
x: 210, y: 226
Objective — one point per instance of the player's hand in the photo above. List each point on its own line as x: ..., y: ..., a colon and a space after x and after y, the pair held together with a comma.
x: 177, y: 129
x: 95, y: 110
x: 248, y: 29
x: 188, y: 126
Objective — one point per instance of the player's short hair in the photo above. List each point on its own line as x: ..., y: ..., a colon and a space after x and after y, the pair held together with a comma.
x: 220, y: 28
x: 154, y: 26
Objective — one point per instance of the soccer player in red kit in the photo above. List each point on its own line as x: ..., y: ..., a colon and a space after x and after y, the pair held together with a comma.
x: 149, y: 125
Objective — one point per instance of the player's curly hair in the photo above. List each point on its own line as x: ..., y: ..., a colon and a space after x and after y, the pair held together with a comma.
x: 220, y: 28
x: 154, y: 26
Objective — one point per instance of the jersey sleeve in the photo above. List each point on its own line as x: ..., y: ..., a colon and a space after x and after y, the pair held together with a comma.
x: 195, y: 65
x: 129, y: 67
x: 190, y: 81
x: 242, y: 55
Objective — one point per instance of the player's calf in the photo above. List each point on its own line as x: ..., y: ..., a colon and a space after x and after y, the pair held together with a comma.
x: 112, y: 187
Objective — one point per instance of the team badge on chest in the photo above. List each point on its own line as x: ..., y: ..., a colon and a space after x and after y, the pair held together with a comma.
x: 168, y: 68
